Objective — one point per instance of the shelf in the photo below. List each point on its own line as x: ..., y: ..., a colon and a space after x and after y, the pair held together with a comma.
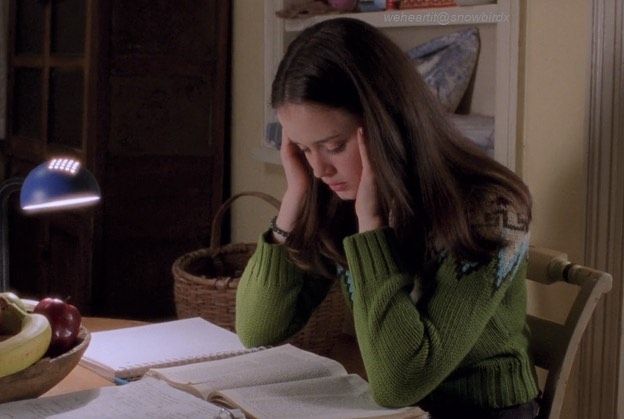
x: 443, y: 16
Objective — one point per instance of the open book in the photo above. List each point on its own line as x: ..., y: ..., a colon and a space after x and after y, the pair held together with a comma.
x: 143, y: 399
x: 128, y: 353
x: 281, y: 382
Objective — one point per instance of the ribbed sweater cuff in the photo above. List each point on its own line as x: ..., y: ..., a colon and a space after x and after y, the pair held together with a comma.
x: 271, y: 264
x: 505, y: 384
x: 266, y: 296
x: 370, y: 254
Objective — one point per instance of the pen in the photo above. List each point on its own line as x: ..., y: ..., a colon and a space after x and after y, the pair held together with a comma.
x: 119, y: 381
x: 225, y: 414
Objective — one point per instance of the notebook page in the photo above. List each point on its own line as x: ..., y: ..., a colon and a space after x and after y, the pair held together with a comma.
x: 279, y: 364
x: 132, y: 351
x: 148, y: 399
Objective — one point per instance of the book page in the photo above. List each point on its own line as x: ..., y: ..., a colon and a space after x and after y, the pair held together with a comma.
x: 148, y: 399
x: 346, y: 396
x: 283, y: 363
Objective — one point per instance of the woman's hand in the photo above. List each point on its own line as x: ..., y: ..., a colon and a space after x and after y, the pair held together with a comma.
x: 367, y: 200
x: 297, y: 177
x: 297, y: 184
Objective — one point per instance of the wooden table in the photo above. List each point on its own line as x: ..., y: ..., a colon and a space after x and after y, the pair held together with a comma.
x: 346, y: 352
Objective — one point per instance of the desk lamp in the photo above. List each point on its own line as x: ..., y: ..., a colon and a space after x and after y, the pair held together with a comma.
x: 57, y: 184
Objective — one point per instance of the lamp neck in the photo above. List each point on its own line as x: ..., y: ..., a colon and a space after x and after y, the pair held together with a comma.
x: 9, y: 186
x: 6, y: 189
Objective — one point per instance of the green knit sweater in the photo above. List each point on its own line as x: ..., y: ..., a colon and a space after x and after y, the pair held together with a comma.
x: 462, y: 341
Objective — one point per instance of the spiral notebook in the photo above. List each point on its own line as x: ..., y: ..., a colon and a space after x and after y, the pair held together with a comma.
x: 128, y: 353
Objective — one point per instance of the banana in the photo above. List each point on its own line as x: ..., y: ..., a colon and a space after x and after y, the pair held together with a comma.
x: 31, y: 335
x: 12, y: 298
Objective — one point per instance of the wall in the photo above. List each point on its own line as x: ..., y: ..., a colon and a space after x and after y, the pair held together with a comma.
x: 553, y: 158
x: 249, y: 216
x: 551, y: 128
x: 554, y: 128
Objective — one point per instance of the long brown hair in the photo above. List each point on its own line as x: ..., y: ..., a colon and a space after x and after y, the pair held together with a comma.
x: 428, y: 175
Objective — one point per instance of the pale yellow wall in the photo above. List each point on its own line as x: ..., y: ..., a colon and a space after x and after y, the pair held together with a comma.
x: 553, y: 82
x: 554, y: 126
x: 552, y: 110
x: 251, y: 216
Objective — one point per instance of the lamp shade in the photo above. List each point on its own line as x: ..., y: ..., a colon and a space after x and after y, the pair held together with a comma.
x: 58, y: 184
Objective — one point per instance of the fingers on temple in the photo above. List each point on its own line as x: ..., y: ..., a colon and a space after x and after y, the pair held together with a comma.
x: 363, y: 148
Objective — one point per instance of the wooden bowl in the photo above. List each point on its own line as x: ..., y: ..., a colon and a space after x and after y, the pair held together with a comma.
x: 44, y: 374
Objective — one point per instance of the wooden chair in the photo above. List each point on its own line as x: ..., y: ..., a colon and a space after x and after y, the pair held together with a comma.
x: 553, y: 345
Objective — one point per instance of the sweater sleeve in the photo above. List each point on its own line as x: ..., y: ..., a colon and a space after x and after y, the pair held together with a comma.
x: 408, y: 349
x: 274, y: 298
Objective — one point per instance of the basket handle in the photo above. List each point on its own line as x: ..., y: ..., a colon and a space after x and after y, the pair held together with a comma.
x: 215, y: 231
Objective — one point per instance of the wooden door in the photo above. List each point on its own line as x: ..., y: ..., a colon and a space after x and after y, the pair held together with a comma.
x: 164, y: 166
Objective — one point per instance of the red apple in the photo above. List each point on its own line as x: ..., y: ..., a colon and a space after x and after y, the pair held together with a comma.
x: 64, y: 319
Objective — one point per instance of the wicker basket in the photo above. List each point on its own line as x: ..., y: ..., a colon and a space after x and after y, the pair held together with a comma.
x: 205, y: 283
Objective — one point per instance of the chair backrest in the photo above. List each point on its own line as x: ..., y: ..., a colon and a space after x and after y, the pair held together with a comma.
x: 554, y: 346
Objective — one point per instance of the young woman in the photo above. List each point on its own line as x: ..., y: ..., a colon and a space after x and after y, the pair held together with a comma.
x: 428, y: 235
